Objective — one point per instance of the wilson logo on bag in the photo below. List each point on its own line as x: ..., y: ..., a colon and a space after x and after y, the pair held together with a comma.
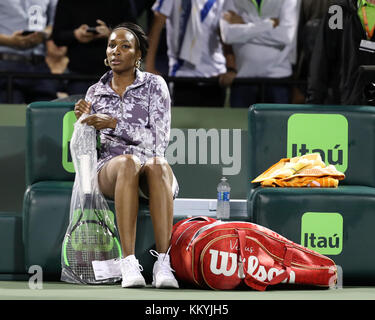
x: 227, y: 255
x: 260, y: 272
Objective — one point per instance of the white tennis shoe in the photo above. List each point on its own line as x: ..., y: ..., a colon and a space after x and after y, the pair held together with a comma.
x: 162, y: 276
x: 131, y: 273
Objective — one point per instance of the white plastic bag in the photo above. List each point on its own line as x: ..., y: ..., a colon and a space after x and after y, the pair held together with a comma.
x: 92, y: 234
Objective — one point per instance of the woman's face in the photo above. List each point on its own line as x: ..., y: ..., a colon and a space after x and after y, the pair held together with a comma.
x: 122, y: 51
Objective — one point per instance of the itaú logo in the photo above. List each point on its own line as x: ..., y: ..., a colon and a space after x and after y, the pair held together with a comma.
x: 254, y: 268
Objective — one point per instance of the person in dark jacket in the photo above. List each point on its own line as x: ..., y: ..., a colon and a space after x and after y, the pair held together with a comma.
x: 339, y: 51
x: 86, y: 47
x: 311, y: 14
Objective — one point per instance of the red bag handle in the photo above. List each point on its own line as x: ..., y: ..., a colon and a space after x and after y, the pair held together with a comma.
x: 197, y: 218
x: 253, y: 282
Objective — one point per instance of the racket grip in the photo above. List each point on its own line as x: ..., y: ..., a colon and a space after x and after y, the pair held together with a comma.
x: 85, y: 175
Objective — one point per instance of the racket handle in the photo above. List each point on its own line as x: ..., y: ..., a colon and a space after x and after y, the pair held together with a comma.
x: 85, y: 175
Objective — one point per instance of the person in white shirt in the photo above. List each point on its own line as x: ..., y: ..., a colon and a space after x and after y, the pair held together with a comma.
x: 194, y: 48
x: 25, y: 25
x: 262, y: 34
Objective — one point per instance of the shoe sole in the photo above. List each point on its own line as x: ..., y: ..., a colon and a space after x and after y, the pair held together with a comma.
x: 136, y: 284
x: 165, y: 285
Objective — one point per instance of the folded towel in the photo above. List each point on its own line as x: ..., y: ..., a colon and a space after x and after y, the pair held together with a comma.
x: 305, y: 171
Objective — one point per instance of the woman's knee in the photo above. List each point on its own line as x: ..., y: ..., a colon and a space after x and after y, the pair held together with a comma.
x: 158, y: 167
x: 127, y: 164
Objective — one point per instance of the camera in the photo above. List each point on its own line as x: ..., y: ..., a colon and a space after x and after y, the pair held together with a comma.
x: 27, y: 32
x: 92, y: 30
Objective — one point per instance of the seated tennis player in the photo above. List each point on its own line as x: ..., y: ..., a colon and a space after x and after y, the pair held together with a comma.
x: 131, y: 109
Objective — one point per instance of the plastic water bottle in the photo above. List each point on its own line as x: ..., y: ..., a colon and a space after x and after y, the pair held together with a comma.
x: 223, y: 197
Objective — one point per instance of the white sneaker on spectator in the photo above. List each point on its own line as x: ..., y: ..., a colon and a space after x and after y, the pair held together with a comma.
x: 162, y: 276
x: 131, y: 273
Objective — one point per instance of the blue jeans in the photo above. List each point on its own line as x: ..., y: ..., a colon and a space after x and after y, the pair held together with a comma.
x: 243, y: 96
x: 27, y: 90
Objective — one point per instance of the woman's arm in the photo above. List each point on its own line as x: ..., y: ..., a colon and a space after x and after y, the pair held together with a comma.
x: 100, y: 121
x: 159, y: 117
x: 85, y: 105
x: 97, y: 120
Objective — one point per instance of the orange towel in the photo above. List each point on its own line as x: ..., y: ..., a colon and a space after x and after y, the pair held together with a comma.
x: 305, y: 171
x: 322, y: 182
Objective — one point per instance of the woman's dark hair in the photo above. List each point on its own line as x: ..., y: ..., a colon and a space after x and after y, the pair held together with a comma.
x: 139, y: 33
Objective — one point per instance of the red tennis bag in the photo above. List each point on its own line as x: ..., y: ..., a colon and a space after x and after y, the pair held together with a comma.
x: 225, y: 255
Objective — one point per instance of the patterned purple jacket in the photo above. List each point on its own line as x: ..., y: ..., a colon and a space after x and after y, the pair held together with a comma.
x: 143, y: 116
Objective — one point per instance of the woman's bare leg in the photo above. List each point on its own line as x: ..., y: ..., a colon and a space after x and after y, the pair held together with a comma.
x: 118, y: 179
x: 156, y: 178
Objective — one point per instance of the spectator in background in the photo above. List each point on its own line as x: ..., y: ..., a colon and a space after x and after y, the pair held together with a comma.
x: 56, y: 58
x: 57, y: 62
x: 194, y: 49
x: 25, y: 53
x: 84, y: 26
x: 161, y: 56
x: 311, y: 15
x: 340, y: 49
x: 262, y: 34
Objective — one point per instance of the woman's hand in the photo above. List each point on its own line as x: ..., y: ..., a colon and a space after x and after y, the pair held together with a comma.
x: 100, y: 121
x: 80, y: 107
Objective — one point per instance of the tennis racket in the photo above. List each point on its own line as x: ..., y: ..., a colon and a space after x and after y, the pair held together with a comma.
x: 91, y: 236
